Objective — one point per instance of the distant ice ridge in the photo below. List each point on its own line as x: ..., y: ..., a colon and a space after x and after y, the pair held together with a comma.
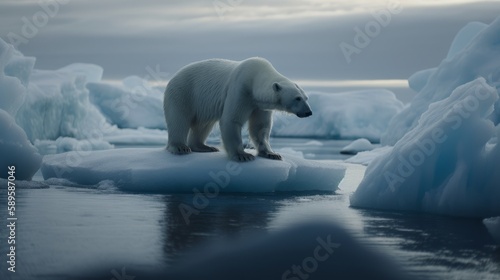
x: 132, y: 104
x: 347, y: 115
x: 53, y: 104
x: 366, y: 157
x: 156, y: 170
x: 356, y: 146
x: 446, y: 156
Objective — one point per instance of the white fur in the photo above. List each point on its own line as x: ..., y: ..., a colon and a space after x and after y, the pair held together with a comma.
x: 231, y: 92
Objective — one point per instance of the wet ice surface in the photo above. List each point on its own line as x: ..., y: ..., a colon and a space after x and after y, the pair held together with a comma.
x: 63, y: 232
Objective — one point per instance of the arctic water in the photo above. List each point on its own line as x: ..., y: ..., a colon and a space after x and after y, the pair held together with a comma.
x: 64, y: 231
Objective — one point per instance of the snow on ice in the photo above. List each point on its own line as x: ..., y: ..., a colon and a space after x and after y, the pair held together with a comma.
x: 445, y: 160
x: 156, y: 170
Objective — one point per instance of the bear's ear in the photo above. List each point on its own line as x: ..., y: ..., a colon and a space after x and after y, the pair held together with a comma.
x: 276, y: 87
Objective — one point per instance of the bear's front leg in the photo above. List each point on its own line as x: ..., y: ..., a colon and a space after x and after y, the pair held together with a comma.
x: 259, y: 127
x: 231, y: 138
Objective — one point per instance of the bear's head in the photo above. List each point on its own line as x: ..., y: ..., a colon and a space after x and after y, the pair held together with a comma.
x: 292, y: 99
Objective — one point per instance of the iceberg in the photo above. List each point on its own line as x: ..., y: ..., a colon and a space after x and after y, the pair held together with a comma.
x: 16, y: 150
x: 14, y: 73
x: 347, y: 115
x: 448, y: 164
x: 130, y: 105
x: 155, y: 170
x: 446, y: 154
x: 418, y: 80
x: 57, y: 105
x: 466, y: 61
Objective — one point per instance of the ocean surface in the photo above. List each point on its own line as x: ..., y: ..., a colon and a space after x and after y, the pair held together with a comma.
x: 64, y: 231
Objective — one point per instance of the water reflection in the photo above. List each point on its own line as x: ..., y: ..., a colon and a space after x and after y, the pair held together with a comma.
x: 226, y: 216
x: 441, y: 242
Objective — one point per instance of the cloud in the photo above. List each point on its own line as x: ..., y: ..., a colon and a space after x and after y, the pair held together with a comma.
x: 300, y: 37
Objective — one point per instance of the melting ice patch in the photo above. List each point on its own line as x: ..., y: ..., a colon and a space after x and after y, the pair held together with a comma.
x: 156, y: 170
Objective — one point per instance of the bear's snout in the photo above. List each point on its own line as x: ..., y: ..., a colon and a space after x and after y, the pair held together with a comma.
x: 305, y: 114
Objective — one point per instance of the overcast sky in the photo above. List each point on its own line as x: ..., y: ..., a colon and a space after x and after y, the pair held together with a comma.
x: 302, y: 38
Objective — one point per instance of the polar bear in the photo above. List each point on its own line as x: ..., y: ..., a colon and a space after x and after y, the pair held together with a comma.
x: 231, y: 92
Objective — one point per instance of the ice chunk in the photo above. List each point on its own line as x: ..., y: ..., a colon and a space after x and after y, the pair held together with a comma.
x: 444, y: 164
x: 479, y: 58
x: 356, y: 146
x: 351, y: 115
x: 16, y: 150
x: 493, y: 226
x: 131, y: 105
x: 156, y: 170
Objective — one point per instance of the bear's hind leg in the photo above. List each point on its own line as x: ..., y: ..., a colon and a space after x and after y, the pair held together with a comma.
x: 197, y: 137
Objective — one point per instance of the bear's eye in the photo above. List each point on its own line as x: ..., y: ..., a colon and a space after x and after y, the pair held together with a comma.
x: 298, y: 98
